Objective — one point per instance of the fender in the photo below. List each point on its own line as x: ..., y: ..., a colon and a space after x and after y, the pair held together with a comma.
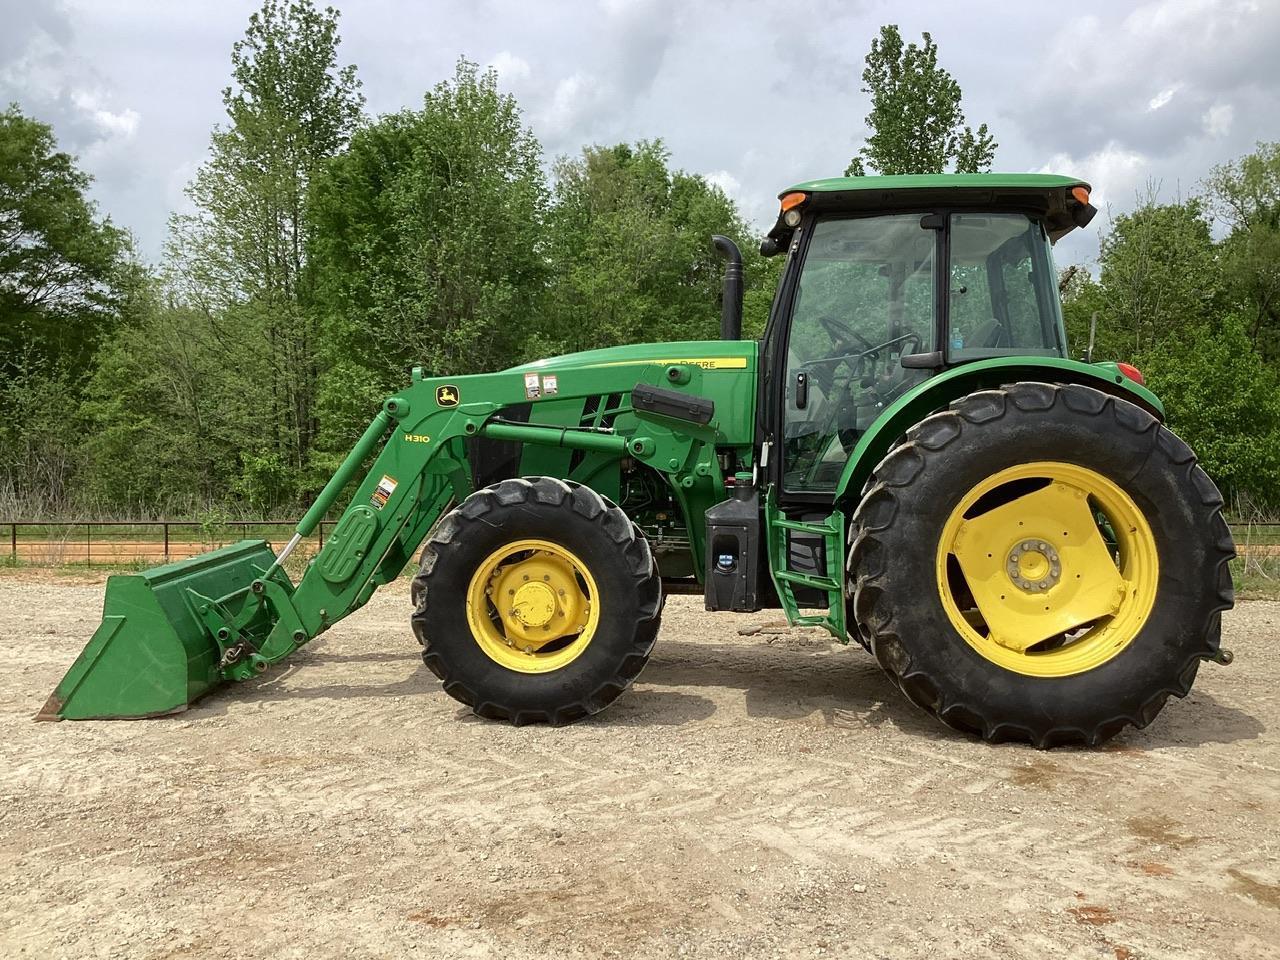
x: 938, y: 391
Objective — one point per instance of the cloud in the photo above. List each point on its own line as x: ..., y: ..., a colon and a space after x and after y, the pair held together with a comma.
x: 610, y: 75
x: 40, y: 71
x: 23, y: 20
x: 123, y: 124
x: 1115, y: 174
x: 762, y: 95
x: 1192, y: 53
x: 727, y: 183
x: 1218, y: 120
x: 511, y: 68
x: 1162, y: 98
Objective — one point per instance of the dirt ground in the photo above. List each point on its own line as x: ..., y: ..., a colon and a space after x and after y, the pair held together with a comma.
x: 752, y: 796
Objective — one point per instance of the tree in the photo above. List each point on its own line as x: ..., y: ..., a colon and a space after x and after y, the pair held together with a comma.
x: 1159, y: 271
x: 62, y: 268
x: 66, y: 275
x: 916, y: 121
x: 428, y: 247
x: 241, y: 260
x: 1223, y: 400
x: 1163, y: 302
x: 169, y: 422
x: 1246, y: 195
x: 630, y: 251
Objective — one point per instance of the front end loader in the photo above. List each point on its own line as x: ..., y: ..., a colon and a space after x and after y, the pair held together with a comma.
x: 908, y: 458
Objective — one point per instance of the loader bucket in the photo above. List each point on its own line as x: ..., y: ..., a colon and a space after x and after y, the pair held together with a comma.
x: 152, y: 654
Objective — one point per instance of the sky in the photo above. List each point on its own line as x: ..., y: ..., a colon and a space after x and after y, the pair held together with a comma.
x: 755, y: 96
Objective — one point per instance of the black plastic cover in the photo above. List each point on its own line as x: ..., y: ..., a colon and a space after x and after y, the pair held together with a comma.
x: 672, y: 403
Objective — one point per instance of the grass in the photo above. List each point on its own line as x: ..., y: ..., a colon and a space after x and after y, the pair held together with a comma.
x: 1256, y: 578
x: 152, y: 532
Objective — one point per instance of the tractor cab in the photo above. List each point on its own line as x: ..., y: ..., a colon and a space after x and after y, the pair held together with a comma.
x: 890, y: 280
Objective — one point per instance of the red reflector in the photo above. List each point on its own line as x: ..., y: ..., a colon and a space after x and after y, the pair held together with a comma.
x: 1132, y: 372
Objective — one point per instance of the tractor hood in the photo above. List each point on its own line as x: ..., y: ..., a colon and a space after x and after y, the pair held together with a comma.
x: 707, y: 354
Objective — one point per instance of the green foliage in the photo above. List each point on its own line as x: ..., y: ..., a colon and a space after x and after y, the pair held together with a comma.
x: 1224, y: 400
x: 629, y: 244
x: 66, y: 277
x: 1246, y: 195
x: 264, y: 481
x: 428, y: 247
x: 63, y: 270
x: 37, y: 433
x: 1192, y: 314
x: 241, y: 260
x: 167, y: 416
x: 1159, y: 271
x: 760, y: 283
x: 917, y: 124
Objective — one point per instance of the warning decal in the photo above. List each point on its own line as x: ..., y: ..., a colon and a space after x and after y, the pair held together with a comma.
x: 532, y: 387
x: 386, y: 487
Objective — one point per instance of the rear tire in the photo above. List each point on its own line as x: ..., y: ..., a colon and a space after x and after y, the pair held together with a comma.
x: 905, y: 576
x: 573, y: 676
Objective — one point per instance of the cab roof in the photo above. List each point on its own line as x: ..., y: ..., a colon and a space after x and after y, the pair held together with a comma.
x: 1047, y: 195
x: 940, y: 181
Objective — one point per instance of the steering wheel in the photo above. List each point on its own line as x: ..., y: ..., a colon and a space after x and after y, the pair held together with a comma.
x: 843, y: 333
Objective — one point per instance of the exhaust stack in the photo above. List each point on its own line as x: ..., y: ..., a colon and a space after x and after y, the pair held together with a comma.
x: 731, y: 305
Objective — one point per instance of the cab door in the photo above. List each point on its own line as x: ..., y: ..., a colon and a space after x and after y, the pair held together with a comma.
x: 865, y: 296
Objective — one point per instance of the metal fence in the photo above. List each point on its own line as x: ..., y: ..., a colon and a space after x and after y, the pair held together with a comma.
x: 128, y: 543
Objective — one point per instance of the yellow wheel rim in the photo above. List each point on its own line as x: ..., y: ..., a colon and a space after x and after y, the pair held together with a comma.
x: 1047, y: 569
x: 532, y: 606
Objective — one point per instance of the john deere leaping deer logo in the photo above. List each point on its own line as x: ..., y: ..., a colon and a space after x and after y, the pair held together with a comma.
x: 447, y: 396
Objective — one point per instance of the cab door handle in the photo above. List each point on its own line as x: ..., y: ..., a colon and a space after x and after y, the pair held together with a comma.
x: 802, y: 390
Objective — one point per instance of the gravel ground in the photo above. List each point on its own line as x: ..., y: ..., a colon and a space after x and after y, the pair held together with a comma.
x: 766, y: 795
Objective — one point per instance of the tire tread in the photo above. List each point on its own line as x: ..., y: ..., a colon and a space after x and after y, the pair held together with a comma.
x: 872, y: 600
x: 613, y: 524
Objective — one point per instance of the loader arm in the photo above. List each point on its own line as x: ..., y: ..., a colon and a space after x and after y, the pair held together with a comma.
x: 231, y: 614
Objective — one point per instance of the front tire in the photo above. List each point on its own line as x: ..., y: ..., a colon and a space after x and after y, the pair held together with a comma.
x: 537, y: 601
x: 1041, y: 563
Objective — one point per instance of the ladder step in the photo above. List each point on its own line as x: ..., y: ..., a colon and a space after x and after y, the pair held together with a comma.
x: 817, y: 529
x: 807, y: 580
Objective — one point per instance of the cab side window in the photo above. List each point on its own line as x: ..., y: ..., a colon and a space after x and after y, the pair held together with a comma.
x: 1003, y: 296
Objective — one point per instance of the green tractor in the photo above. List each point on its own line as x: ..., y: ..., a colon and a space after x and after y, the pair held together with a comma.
x: 908, y: 458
